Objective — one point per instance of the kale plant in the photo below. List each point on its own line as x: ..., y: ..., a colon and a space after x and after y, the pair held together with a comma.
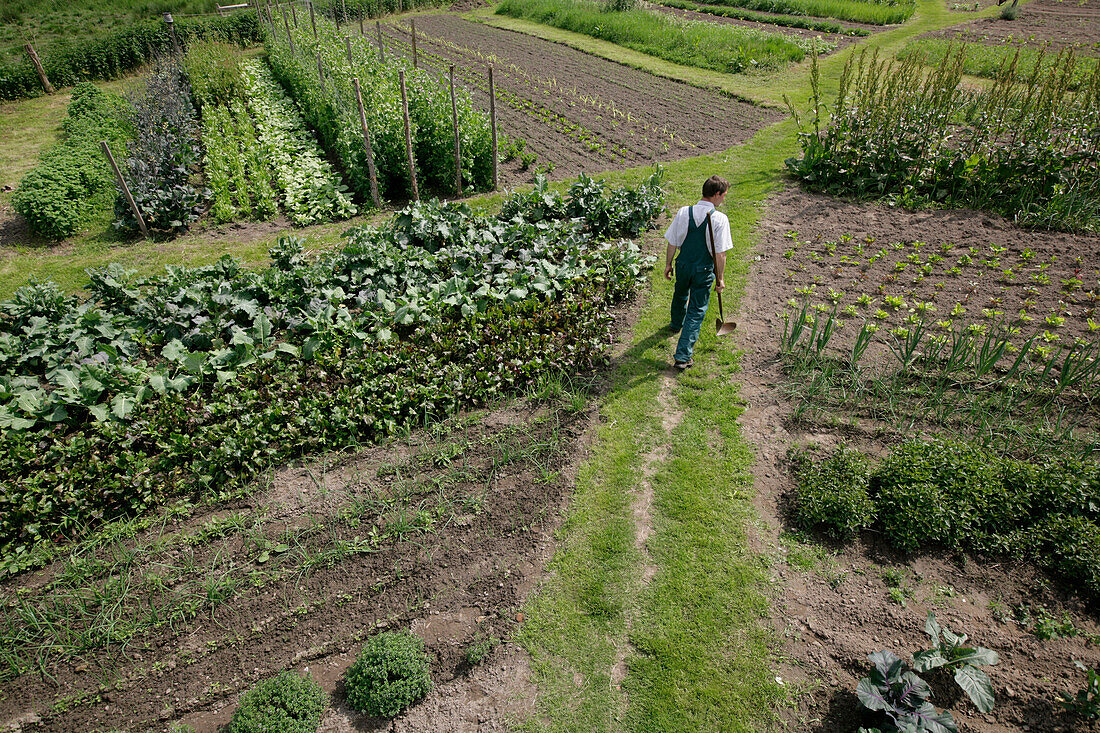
x: 951, y: 653
x: 902, y: 696
x: 164, y: 155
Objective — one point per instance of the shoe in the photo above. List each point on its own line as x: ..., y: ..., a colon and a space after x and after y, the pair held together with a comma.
x: 673, y: 329
x: 682, y: 365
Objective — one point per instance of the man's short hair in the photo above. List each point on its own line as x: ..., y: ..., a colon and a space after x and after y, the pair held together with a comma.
x: 714, y: 185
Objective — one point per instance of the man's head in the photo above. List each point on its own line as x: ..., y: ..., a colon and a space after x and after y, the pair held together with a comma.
x: 714, y: 185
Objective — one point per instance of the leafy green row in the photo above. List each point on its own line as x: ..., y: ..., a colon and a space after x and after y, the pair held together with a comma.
x: 787, y: 21
x: 329, y: 107
x: 73, y: 184
x: 724, y: 48
x: 110, y: 56
x: 195, y: 380
x: 236, y: 172
x: 947, y: 493
x: 311, y: 190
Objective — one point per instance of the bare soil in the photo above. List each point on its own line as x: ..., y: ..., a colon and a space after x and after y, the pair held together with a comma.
x: 840, y: 610
x: 577, y: 112
x: 1057, y: 24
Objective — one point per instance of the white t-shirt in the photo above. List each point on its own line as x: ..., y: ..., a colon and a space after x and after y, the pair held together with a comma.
x: 678, y: 229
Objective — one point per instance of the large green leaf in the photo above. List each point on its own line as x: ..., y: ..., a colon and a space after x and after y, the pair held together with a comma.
x: 975, y: 683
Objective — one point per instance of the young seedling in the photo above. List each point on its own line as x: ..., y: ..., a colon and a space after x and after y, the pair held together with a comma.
x: 1086, y: 703
x: 950, y: 652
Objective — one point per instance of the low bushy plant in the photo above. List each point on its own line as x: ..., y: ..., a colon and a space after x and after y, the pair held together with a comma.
x: 288, y: 703
x: 390, y: 673
x: 1070, y: 547
x: 933, y: 492
x: 73, y: 183
x: 832, y: 494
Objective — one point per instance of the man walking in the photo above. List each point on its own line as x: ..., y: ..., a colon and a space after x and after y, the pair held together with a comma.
x: 701, y: 235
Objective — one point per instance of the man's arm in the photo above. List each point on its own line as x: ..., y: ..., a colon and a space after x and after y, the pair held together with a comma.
x: 670, y: 255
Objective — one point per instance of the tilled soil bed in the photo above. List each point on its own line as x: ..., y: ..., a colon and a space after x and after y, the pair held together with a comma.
x: 837, y: 603
x: 576, y: 112
x: 1040, y: 23
x: 444, y: 533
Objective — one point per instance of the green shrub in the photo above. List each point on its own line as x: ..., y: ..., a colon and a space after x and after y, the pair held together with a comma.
x: 73, y: 183
x: 1069, y: 546
x: 213, y: 70
x: 288, y: 703
x: 390, y: 674
x: 933, y: 492
x: 832, y: 494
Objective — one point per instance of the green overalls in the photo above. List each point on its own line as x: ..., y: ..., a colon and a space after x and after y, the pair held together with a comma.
x: 691, y: 296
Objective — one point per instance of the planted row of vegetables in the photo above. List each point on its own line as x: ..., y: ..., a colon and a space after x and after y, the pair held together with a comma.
x: 318, y: 72
x: 193, y: 381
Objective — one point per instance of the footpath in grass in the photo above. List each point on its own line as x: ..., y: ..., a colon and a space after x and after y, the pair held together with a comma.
x: 652, y: 616
x: 665, y: 633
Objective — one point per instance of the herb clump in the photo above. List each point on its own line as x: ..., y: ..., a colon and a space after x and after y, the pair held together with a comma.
x: 390, y: 673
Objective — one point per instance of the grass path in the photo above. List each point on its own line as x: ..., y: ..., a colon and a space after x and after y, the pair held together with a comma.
x: 652, y: 618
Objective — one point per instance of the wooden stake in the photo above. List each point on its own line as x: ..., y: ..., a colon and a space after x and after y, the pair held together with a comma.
x: 38, y: 67
x: 320, y: 68
x: 347, y: 47
x: 412, y: 33
x: 313, y: 20
x: 361, y: 31
x: 343, y: 12
x: 293, y: 13
x: 408, y: 136
x: 493, y: 124
x: 286, y: 24
x: 125, y: 189
x: 370, y: 150
x: 458, y: 141
x: 381, y: 51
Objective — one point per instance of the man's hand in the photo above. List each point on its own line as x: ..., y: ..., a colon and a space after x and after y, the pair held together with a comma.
x: 668, y: 271
x: 719, y: 285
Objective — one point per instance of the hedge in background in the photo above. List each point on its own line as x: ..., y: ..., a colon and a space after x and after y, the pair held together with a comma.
x: 111, y: 56
x: 73, y: 183
x: 950, y: 493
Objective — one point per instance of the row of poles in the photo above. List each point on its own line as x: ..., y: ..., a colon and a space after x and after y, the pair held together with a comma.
x: 414, y: 188
x: 371, y: 170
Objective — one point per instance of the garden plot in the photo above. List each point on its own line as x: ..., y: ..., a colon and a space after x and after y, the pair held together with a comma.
x: 577, y: 112
x: 1040, y: 23
x: 445, y: 532
x: 841, y: 602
